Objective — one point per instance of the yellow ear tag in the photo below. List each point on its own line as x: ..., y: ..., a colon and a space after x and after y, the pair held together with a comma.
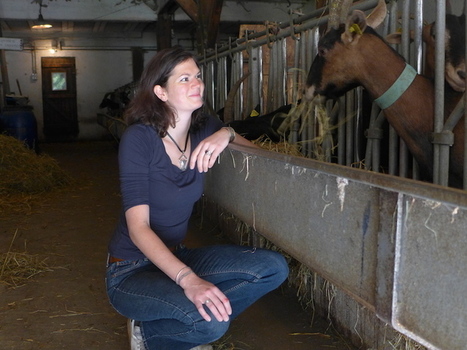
x: 254, y: 113
x: 355, y: 28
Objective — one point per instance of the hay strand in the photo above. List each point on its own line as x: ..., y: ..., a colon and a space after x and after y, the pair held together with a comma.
x: 18, y: 268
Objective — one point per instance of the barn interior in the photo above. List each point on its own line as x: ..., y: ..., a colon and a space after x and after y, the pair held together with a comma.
x: 376, y: 253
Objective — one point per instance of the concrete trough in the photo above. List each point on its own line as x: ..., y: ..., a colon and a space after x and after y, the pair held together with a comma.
x: 395, y: 246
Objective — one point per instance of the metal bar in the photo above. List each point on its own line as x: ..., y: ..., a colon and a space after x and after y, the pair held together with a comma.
x: 405, y: 51
x: 296, y: 77
x: 283, y: 73
x: 271, y: 79
x: 255, y: 79
x: 221, y: 85
x: 393, y: 137
x: 418, y: 59
x: 306, y: 22
x: 418, y: 43
x: 440, y: 27
x: 209, y: 83
x: 236, y: 74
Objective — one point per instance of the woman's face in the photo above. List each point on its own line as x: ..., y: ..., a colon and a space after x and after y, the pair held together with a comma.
x: 184, y: 89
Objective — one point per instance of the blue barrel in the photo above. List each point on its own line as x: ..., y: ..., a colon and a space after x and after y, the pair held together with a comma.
x: 20, y: 122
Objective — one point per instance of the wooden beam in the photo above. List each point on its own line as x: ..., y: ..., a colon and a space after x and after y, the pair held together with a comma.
x: 99, y: 26
x: 67, y: 26
x: 4, y: 26
x: 190, y: 8
x: 164, y: 31
x: 206, y: 14
x: 211, y: 16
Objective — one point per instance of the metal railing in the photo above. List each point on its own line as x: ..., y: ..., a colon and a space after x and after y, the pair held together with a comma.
x: 278, y: 59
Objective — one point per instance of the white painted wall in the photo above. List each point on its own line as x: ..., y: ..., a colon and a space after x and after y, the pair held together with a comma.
x: 97, y: 72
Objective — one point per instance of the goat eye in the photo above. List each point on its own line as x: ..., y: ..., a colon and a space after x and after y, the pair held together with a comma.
x: 321, y: 51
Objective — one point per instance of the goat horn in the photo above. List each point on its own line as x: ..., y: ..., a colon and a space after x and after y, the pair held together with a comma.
x: 229, y: 103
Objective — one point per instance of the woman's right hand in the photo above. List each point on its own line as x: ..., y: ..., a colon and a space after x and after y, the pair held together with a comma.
x: 203, y: 293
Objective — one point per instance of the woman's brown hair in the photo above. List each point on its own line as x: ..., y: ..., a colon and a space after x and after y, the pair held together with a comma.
x: 146, y: 107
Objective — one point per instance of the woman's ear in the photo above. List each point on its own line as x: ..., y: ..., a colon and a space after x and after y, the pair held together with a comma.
x: 160, y: 92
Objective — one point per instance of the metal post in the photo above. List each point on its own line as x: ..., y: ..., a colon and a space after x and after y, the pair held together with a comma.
x: 221, y: 85
x: 440, y: 27
x: 256, y: 78
x: 403, y: 151
x: 418, y: 59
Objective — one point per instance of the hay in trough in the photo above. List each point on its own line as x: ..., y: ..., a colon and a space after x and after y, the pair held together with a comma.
x: 17, y: 268
x: 280, y: 147
x: 24, y: 174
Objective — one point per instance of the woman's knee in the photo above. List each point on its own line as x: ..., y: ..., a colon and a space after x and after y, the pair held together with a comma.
x: 209, y: 332
x: 277, y: 265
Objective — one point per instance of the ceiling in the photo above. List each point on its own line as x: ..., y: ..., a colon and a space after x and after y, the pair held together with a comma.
x: 128, y: 18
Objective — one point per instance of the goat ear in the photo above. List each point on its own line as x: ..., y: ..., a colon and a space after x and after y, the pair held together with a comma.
x: 377, y: 16
x: 396, y: 37
x: 354, y: 28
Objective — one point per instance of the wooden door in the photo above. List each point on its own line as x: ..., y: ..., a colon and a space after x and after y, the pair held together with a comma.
x: 59, y: 98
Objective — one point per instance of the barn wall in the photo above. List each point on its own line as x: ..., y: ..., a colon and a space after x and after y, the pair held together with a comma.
x: 98, y: 72
x: 393, y: 248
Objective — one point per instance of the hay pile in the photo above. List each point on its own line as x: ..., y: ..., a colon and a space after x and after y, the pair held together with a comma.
x: 23, y: 174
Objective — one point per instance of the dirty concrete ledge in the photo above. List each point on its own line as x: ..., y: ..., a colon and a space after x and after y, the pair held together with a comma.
x: 319, y: 297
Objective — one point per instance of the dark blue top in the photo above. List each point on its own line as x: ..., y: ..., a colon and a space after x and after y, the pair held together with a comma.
x: 147, y: 176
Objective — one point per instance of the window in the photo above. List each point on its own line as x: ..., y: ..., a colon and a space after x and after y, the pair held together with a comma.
x: 59, y: 81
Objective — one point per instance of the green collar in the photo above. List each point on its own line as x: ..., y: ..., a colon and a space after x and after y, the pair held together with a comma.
x: 398, y: 88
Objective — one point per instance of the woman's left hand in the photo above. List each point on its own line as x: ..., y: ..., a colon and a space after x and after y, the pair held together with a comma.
x: 206, y: 153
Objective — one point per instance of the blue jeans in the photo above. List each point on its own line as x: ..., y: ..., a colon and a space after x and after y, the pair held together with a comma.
x: 168, y: 320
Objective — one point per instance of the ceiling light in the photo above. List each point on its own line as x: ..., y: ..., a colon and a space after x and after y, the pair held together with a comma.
x: 41, y: 23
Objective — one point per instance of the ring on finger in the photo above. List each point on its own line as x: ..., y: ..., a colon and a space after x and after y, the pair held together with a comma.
x: 207, y: 301
x: 208, y: 153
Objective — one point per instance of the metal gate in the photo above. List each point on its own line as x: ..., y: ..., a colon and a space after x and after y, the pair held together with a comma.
x: 277, y: 60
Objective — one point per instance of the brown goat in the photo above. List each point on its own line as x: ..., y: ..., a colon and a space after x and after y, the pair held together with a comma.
x: 454, y: 50
x: 355, y: 55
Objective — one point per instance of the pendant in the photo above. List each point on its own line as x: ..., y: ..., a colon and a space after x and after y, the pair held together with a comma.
x: 183, y: 160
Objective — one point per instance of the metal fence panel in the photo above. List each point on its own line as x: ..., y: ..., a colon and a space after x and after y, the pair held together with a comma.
x: 405, y: 15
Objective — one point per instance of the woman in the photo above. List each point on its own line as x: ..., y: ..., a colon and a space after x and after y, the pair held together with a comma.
x: 175, y: 297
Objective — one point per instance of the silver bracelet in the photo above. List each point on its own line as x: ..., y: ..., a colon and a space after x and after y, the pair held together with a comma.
x: 179, y: 272
x: 184, y: 275
x: 232, y: 133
